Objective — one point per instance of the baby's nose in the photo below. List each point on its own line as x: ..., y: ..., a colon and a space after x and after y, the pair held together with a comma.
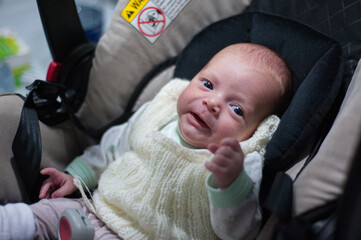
x: 212, y: 105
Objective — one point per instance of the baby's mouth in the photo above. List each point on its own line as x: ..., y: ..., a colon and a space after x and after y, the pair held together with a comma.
x: 200, y: 120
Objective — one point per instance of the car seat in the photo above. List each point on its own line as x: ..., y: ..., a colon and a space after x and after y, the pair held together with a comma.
x: 318, y: 188
x: 322, y: 71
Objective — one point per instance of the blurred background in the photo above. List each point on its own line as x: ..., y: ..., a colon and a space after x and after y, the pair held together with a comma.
x: 24, y: 52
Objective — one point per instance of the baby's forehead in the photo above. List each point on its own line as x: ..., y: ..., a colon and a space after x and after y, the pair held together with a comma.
x: 251, y: 53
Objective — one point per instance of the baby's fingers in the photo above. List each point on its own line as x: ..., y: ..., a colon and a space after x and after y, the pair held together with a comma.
x: 64, y: 190
x: 213, y: 168
x: 224, y: 153
x: 46, y: 189
x: 231, y: 143
x: 61, y: 192
x: 48, y: 171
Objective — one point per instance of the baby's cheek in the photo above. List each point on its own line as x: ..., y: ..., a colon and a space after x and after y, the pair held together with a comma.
x: 235, y: 132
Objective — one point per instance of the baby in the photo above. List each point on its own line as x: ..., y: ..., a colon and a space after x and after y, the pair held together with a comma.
x: 151, y: 173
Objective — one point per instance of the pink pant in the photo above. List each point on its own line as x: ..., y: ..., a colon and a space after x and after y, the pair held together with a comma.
x: 47, y: 213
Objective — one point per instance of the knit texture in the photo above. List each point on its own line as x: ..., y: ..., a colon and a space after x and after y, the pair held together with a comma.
x: 16, y: 222
x: 261, y: 136
x: 157, y: 190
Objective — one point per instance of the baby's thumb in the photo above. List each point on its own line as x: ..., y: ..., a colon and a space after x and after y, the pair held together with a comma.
x: 61, y: 192
x: 213, y: 148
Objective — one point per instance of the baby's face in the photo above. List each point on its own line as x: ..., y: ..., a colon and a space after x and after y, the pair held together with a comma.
x: 227, y: 98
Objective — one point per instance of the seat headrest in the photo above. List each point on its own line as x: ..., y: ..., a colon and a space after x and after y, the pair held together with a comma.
x: 314, y: 60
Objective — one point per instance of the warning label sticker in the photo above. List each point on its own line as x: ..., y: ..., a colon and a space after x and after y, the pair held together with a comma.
x: 151, y: 21
x: 152, y: 17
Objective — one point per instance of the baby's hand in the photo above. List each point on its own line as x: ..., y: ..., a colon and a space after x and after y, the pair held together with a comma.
x: 227, y: 162
x: 58, y: 184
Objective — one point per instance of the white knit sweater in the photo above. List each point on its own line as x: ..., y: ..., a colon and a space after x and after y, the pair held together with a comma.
x: 157, y: 190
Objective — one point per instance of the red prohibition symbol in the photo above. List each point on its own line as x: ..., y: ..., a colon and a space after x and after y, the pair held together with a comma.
x: 151, y: 21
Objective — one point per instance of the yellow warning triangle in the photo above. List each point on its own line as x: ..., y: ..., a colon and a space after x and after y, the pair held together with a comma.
x: 129, y: 13
x: 132, y: 9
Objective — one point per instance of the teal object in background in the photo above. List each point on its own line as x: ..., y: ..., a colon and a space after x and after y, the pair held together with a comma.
x: 91, y: 18
x: 6, y: 79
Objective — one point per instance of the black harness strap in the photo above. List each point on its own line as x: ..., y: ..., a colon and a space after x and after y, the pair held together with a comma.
x: 279, y: 199
x: 27, y: 146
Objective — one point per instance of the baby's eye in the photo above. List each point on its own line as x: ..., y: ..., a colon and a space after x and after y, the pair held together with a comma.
x: 207, y: 84
x: 237, y: 110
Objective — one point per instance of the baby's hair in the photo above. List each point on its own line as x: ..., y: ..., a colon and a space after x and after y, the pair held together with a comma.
x: 268, y: 61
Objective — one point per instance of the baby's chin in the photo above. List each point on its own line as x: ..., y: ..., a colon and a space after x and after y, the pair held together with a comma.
x: 193, y: 142
x: 197, y: 145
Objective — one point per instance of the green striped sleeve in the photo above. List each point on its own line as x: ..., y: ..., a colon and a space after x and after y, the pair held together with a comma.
x: 232, y: 195
x: 79, y: 168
